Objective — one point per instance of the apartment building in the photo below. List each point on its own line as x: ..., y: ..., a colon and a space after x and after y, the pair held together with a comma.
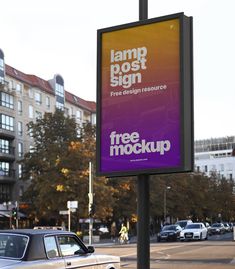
x: 216, y: 155
x: 24, y: 98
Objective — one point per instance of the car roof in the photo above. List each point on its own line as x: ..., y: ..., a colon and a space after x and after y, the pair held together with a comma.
x: 35, y: 249
x: 35, y: 231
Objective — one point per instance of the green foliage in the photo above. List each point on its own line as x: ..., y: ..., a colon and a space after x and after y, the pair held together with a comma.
x: 57, y: 169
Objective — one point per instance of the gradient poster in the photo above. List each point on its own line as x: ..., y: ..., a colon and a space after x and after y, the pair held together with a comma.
x: 140, y: 98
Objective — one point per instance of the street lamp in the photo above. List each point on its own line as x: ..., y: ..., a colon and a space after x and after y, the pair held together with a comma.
x: 165, y: 190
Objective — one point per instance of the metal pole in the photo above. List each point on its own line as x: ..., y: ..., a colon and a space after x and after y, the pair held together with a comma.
x: 164, y: 205
x: 17, y: 213
x: 143, y: 9
x: 69, y: 216
x: 69, y: 219
x: 90, y: 195
x: 143, y: 242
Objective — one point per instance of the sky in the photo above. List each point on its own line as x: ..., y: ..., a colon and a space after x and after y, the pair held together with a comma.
x: 48, y: 37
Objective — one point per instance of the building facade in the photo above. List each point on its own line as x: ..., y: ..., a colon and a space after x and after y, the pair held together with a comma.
x: 24, y: 98
x: 216, y: 155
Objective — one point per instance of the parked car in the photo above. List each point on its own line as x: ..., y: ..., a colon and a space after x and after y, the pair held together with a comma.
x: 169, y: 233
x: 207, y: 224
x: 194, y: 231
x: 227, y: 227
x: 216, y: 228
x: 42, y: 249
x: 183, y: 223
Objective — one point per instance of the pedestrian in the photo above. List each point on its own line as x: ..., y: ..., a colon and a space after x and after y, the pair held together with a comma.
x: 113, y: 232
x: 123, y: 238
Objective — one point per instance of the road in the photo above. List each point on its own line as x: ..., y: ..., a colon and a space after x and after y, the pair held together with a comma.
x: 218, y: 252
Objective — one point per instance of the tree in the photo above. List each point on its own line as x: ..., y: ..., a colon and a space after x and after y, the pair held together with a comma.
x: 57, y: 168
x: 51, y: 138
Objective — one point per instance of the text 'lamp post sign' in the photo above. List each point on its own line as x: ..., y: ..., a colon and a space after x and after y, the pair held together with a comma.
x: 144, y: 97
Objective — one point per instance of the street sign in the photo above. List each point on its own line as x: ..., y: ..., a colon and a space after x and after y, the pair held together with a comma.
x: 64, y: 212
x: 72, y: 204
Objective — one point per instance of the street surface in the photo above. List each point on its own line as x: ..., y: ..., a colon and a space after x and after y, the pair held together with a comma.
x: 218, y: 252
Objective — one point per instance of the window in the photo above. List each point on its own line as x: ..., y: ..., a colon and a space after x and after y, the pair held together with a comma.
x: 4, y: 169
x: 1, y: 67
x: 19, y: 88
x: 21, y: 191
x: 20, y: 128
x: 7, y: 100
x: 59, y: 90
x: 79, y: 115
x: 69, y: 246
x: 4, y: 146
x: 48, y: 102
x: 5, y: 193
x: 38, y: 98
x: 222, y: 167
x: 70, y: 111
x: 20, y: 149
x: 59, y: 105
x: 30, y: 93
x: 19, y: 107
x: 13, y: 246
x: 30, y: 112
x: 1, y: 64
x: 93, y: 119
x: 20, y: 170
x: 7, y: 122
x: 51, y: 247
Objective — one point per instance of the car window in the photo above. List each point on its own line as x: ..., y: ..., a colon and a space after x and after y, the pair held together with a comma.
x: 13, y: 246
x: 51, y: 247
x: 171, y: 227
x: 193, y: 226
x: 69, y: 246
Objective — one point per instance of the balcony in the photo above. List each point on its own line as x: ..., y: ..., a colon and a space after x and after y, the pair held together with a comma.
x: 4, y: 86
x: 7, y: 153
x: 7, y: 175
x: 7, y: 133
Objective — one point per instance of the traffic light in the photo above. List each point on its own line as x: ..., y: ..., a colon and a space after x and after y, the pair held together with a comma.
x: 91, y: 210
x: 14, y: 213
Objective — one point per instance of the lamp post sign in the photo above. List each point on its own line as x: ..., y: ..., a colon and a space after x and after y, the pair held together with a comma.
x: 144, y: 97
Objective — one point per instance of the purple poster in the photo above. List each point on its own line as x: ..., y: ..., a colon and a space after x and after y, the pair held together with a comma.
x: 140, y: 99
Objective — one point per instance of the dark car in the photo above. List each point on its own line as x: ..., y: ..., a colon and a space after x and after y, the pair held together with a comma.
x: 45, y: 249
x: 216, y: 228
x: 169, y: 233
x: 183, y: 223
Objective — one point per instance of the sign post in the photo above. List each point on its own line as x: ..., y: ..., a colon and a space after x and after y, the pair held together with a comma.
x: 145, y: 105
x: 71, y: 205
x: 90, y: 205
x: 143, y: 242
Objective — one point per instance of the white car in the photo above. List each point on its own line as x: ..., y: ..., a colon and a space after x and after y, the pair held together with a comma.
x: 194, y: 231
x: 47, y: 249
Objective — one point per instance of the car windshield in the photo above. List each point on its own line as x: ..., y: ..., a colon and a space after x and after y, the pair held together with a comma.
x: 12, y: 246
x: 216, y: 225
x: 169, y: 227
x: 182, y: 224
x: 193, y: 226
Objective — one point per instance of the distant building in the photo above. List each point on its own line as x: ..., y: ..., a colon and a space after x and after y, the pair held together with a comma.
x: 24, y: 98
x: 216, y: 155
